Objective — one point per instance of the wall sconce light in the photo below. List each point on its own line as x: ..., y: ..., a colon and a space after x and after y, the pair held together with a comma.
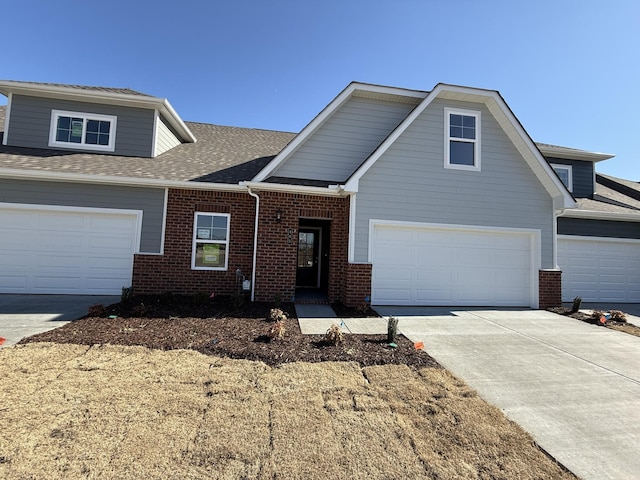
x: 278, y: 217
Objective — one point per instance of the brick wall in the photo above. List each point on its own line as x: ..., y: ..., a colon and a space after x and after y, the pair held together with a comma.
x: 550, y: 288
x: 172, y: 271
x: 278, y: 242
x: 277, y: 246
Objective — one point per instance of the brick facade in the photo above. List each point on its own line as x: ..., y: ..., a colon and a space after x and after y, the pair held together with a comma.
x: 550, y: 288
x: 277, y: 246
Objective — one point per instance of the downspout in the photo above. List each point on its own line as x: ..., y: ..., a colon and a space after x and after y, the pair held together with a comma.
x: 255, y: 244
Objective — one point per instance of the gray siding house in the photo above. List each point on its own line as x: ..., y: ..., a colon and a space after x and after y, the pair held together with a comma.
x: 389, y: 196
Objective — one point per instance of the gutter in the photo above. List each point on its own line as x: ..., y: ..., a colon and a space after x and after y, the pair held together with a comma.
x: 255, y: 244
x: 595, y: 215
x: 331, y: 190
x: 114, y: 180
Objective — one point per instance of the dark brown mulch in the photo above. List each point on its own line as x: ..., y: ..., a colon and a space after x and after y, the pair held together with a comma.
x: 224, y: 327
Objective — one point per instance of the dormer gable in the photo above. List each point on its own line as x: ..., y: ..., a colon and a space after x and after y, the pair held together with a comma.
x: 574, y: 167
x: 116, y: 121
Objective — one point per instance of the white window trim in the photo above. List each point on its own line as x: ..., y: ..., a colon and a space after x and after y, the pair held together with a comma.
x: 569, y: 170
x: 195, y: 241
x: 447, y: 139
x: 85, y: 116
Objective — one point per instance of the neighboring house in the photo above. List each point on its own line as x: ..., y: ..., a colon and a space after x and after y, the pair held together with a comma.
x: 388, y: 196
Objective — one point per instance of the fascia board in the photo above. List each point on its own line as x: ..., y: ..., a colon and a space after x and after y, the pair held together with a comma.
x: 595, y: 215
x: 113, y: 180
x: 510, y: 124
x: 352, y: 183
x: 305, y: 133
x: 329, y: 110
x: 108, y: 98
x: 573, y: 154
x: 286, y: 188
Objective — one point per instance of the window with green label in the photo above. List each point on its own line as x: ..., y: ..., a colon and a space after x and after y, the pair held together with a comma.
x: 82, y: 131
x: 210, y: 241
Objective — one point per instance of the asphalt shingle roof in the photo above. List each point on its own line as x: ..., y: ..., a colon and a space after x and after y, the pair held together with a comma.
x: 220, y: 155
x: 126, y: 91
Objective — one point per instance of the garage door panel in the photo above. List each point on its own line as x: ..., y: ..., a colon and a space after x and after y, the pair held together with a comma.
x: 453, y: 266
x: 75, y: 251
x: 600, y: 270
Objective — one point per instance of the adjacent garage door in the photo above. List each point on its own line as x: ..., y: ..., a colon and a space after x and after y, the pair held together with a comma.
x: 416, y: 265
x: 70, y: 251
x: 599, y: 269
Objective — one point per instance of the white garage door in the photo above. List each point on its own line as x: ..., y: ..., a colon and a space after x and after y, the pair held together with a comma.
x: 416, y: 265
x: 75, y: 251
x: 599, y: 269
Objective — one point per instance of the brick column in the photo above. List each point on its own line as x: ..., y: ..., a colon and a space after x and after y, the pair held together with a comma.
x: 549, y: 288
x: 357, y: 284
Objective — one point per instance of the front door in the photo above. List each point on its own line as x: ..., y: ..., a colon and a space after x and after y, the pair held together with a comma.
x: 308, y: 272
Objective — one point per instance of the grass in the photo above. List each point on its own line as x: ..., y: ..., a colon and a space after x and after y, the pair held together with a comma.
x: 129, y: 412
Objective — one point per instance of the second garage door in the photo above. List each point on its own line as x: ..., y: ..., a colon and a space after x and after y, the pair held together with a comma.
x: 465, y: 266
x: 48, y: 250
x: 599, y: 269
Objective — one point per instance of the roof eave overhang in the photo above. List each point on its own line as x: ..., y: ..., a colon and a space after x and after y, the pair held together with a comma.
x: 330, y: 191
x: 596, y: 215
x: 116, y: 180
x: 568, y: 154
x: 97, y: 96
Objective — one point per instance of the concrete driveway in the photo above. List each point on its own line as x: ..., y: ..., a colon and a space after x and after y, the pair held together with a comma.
x: 25, y: 315
x: 575, y: 387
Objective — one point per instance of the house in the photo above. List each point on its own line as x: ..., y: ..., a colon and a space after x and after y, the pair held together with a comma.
x: 388, y: 196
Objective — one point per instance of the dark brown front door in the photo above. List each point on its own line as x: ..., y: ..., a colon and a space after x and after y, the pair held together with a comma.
x: 308, y: 257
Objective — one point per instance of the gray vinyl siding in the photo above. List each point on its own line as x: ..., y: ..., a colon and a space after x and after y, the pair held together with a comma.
x: 345, y: 140
x: 149, y: 200
x: 582, y: 176
x: 31, y: 120
x: 598, y: 228
x: 409, y: 183
x: 166, y: 139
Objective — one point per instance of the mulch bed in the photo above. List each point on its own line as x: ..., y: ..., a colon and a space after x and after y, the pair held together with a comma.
x: 226, y: 327
x: 620, y: 326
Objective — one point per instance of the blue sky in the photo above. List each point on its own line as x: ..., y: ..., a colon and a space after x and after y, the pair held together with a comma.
x: 569, y: 70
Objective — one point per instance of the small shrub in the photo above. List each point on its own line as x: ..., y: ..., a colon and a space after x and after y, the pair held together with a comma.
x: 618, y: 316
x: 392, y: 329
x: 97, y: 310
x: 277, y: 315
x: 334, y: 335
x: 277, y: 330
x: 127, y: 293
x: 576, y: 305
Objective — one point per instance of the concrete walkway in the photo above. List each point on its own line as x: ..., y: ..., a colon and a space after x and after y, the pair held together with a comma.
x: 575, y: 387
x: 25, y: 315
x: 316, y: 320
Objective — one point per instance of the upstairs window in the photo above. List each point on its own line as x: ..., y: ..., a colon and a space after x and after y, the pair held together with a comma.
x: 82, y: 131
x: 210, y: 241
x: 565, y: 173
x: 462, y: 139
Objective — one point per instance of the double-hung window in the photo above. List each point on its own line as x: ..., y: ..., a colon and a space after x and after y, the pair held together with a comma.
x: 86, y: 131
x: 565, y: 173
x: 210, y: 241
x: 462, y: 139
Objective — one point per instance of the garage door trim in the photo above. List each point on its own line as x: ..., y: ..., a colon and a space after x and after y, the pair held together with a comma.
x: 534, y: 236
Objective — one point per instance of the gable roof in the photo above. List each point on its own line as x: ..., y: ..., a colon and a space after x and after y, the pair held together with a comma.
x: 110, y: 96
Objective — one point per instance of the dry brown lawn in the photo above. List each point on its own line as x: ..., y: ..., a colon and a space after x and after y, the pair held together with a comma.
x: 74, y: 411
